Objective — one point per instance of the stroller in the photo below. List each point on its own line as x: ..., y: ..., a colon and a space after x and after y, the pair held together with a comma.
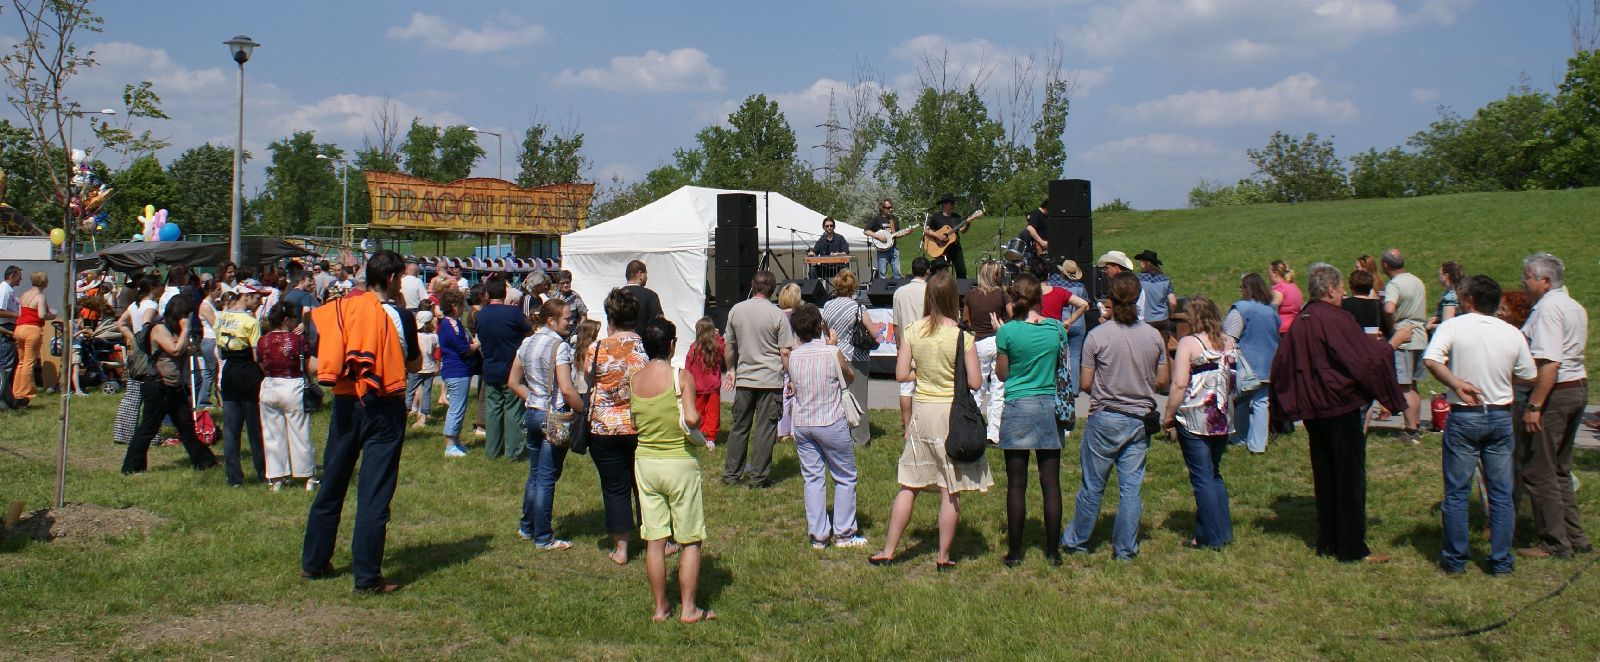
x: 98, y: 361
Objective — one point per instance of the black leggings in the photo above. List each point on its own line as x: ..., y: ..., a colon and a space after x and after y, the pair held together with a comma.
x: 1017, y: 499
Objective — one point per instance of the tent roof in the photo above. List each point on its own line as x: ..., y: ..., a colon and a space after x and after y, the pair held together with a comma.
x: 135, y: 255
x: 686, y: 219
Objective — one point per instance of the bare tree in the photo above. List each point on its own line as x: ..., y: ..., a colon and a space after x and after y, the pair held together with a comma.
x: 386, y: 126
x: 1584, y: 23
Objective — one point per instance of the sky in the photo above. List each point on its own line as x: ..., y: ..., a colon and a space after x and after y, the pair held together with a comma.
x: 1167, y: 92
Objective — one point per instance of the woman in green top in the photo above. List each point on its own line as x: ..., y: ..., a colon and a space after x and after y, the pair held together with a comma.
x: 667, y: 476
x: 1027, y: 350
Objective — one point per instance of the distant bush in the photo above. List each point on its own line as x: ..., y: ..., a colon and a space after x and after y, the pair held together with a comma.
x: 1217, y: 194
x: 1116, y: 204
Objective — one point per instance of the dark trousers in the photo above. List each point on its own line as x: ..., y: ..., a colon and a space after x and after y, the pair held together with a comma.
x: 1544, y: 463
x: 8, y: 366
x: 240, y: 417
x: 755, y: 429
x: 1339, y: 475
x: 159, y: 403
x: 375, y: 432
x: 957, y: 258
x: 613, y: 460
x: 502, y: 414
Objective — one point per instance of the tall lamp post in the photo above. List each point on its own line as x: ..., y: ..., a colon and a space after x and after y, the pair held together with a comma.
x: 499, y: 151
x: 68, y: 292
x: 344, y: 197
x: 240, y: 48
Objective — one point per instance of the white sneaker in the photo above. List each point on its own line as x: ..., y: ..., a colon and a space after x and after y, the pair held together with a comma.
x: 274, y: 485
x: 312, y: 484
x: 479, y: 432
x: 454, y: 451
x: 851, y: 540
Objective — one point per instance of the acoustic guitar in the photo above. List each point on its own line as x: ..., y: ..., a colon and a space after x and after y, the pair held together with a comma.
x: 935, y: 242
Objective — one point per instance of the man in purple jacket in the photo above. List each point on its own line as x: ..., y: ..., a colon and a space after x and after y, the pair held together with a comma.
x: 1325, y: 371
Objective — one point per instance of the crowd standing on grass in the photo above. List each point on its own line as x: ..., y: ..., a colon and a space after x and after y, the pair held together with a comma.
x: 368, y: 340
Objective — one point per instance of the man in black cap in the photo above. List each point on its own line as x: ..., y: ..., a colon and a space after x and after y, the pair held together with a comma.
x: 948, y: 218
x: 1159, y: 300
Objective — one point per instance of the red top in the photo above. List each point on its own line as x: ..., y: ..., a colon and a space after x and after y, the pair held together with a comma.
x: 707, y: 379
x: 279, y: 354
x: 29, y: 316
x: 1054, y: 302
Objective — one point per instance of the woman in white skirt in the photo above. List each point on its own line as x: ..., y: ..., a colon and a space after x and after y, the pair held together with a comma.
x: 929, y: 354
x: 285, y: 426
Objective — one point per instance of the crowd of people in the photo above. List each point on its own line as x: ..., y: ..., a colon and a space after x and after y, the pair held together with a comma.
x: 552, y: 381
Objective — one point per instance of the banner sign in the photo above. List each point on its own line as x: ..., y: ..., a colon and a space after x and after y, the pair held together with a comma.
x: 476, y: 204
x: 883, y: 328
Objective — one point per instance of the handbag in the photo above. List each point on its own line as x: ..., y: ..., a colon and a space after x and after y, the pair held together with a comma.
x: 861, y: 337
x: 1066, y: 399
x: 557, y: 422
x: 1245, y: 378
x: 965, y: 440
x: 578, y: 433
x: 852, y: 407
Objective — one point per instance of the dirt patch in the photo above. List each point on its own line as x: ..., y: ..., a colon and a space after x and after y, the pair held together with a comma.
x: 86, y: 522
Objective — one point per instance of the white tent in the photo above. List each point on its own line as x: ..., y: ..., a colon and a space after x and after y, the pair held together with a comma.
x: 674, y: 237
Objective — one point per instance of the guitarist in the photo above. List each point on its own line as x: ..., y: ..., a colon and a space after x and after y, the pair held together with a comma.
x: 884, y: 225
x: 1033, y: 235
x: 948, y: 218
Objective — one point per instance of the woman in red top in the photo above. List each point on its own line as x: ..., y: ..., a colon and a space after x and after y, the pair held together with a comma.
x: 29, y: 334
x: 705, y: 364
x: 285, y: 426
x: 1054, y: 300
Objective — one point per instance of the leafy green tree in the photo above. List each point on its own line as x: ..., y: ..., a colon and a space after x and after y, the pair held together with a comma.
x: 755, y: 151
x: 420, y: 150
x: 28, y: 187
x: 302, y: 191
x: 1298, y: 169
x: 549, y: 158
x: 1572, y: 146
x: 203, y: 176
x: 945, y: 142
x: 440, y: 154
x: 1217, y: 194
x: 143, y: 183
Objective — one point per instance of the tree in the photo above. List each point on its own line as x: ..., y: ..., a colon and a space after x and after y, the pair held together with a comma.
x: 1217, y: 194
x: 204, y: 178
x: 755, y: 151
x: 138, y: 101
x: 144, y: 183
x: 1299, y: 169
x: 945, y: 142
x: 440, y: 154
x: 549, y: 158
x: 302, y: 191
x: 1571, y: 149
x: 27, y: 186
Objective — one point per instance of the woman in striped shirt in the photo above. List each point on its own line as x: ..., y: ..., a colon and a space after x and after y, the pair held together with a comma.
x: 818, y: 371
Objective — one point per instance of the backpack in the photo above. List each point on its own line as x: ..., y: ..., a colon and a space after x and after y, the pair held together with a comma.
x: 141, y: 365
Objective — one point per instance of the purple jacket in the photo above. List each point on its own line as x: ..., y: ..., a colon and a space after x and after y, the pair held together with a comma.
x: 1327, y: 366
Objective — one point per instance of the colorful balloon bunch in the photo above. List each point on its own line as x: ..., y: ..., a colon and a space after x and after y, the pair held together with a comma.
x: 155, y: 225
x: 88, y: 196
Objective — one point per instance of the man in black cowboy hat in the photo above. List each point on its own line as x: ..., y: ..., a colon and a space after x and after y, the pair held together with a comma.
x: 948, y: 218
x: 1159, y: 299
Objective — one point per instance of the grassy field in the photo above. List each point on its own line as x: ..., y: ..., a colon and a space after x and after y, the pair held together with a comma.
x: 218, y: 577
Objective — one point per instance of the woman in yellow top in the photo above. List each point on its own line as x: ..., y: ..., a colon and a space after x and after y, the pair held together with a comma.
x: 930, y: 350
x: 668, y: 477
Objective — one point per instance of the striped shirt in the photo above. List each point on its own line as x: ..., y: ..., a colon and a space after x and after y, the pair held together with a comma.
x: 814, y: 373
x: 538, y: 372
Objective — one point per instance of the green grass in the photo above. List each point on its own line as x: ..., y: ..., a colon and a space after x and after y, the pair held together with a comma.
x: 219, y: 578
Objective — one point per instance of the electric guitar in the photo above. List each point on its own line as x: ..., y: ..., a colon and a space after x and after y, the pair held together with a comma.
x: 883, y: 240
x: 935, y: 242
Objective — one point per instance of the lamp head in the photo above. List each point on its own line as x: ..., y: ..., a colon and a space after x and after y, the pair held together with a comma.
x: 241, y: 47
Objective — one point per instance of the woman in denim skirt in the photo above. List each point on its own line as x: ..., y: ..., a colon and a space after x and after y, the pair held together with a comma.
x: 1027, y: 352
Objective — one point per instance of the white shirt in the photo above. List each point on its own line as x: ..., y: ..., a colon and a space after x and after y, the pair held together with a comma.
x: 1482, y: 350
x: 166, y: 295
x: 139, y: 311
x: 1558, y: 330
x: 9, y: 301
x: 413, y: 290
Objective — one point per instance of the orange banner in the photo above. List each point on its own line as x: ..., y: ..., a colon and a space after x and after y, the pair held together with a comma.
x: 476, y: 204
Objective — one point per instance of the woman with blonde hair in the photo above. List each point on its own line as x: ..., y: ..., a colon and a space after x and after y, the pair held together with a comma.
x: 29, y: 334
x: 1286, y: 297
x: 788, y: 299
x: 983, y: 311
x: 929, y: 349
x: 841, y: 314
x: 1200, y: 411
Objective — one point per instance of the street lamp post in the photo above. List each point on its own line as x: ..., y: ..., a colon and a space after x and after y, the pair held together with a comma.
x: 240, y: 47
x: 344, y: 197
x: 499, y: 151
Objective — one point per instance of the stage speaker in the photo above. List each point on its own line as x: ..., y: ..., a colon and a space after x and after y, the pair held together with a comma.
x: 962, y: 286
x: 737, y: 247
x: 731, y: 285
x: 813, y: 290
x: 1069, y: 197
x: 1072, y: 238
x: 880, y: 293
x: 736, y: 210
x: 719, y: 315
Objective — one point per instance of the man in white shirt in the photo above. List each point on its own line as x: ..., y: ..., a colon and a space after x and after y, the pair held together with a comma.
x: 907, y: 310
x: 1557, y: 331
x: 412, y: 289
x: 10, y: 307
x: 1477, y: 356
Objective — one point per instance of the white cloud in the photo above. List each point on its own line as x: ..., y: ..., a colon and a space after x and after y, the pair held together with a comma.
x: 1298, y: 96
x: 1086, y: 80
x: 1158, y: 146
x: 1425, y: 94
x: 351, y: 115
x: 969, y: 61
x: 680, y: 69
x: 1247, y: 29
x: 502, y: 32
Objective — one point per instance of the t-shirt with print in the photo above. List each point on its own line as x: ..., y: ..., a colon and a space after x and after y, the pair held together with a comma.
x: 1031, y: 351
x: 237, y: 330
x: 1410, y: 298
x: 1124, y: 358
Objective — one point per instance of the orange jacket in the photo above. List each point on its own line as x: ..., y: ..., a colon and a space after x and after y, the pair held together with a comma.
x: 358, y: 350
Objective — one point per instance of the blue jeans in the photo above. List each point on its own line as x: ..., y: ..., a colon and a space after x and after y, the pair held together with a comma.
x: 1075, y: 335
x: 8, y: 364
x: 887, y: 260
x: 1250, y: 420
x: 544, y: 469
x: 1470, y: 438
x: 208, y: 371
x: 455, y: 390
x: 1213, y: 523
x: 419, y: 382
x: 1110, y: 440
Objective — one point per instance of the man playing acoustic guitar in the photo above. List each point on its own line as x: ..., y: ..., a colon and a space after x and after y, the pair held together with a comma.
x: 941, y: 237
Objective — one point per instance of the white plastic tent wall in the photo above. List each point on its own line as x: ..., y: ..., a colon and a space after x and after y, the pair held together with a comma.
x: 674, y: 237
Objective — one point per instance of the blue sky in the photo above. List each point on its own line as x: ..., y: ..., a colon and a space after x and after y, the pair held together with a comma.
x: 1168, y: 91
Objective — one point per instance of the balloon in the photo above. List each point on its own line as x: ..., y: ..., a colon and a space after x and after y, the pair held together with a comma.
x: 170, y: 232
x: 58, y: 236
x: 149, y: 211
x: 78, y: 156
x: 137, y: 237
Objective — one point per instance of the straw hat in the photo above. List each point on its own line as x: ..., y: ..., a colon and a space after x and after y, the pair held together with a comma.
x: 1069, y: 268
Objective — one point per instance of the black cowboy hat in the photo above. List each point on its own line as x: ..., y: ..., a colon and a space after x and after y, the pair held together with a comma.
x: 948, y: 197
x: 1148, y: 256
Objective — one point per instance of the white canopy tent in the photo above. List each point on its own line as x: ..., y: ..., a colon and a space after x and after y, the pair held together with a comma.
x: 674, y: 237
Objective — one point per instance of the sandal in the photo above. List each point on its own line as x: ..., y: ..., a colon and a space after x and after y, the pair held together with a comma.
x: 880, y: 560
x: 944, y: 566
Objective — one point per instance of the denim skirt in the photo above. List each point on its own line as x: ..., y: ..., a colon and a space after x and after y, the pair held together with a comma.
x: 1029, y: 424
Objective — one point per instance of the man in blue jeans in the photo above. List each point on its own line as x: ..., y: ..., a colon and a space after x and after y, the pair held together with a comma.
x: 1476, y: 356
x: 1124, y: 364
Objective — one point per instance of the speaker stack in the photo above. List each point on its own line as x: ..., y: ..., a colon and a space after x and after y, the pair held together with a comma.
x: 812, y: 290
x: 1070, y: 230
x: 738, y: 252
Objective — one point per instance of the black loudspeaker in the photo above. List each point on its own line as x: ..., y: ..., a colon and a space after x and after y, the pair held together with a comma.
x: 1069, y: 197
x: 737, y: 247
x: 1072, y: 238
x: 719, y: 315
x: 736, y: 210
x: 880, y: 293
x: 962, y: 286
x: 813, y: 290
x: 732, y: 284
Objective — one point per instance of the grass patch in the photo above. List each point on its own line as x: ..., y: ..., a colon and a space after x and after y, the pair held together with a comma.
x: 218, y: 577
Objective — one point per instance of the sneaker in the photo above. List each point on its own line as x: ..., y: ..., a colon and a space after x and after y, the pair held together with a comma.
x: 454, y: 450
x: 555, y: 545
x: 1414, y: 436
x: 312, y: 484
x: 479, y: 432
x: 275, y: 485
x: 818, y: 544
x: 850, y: 540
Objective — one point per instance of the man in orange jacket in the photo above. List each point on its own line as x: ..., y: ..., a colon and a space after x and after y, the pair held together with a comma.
x: 366, y: 343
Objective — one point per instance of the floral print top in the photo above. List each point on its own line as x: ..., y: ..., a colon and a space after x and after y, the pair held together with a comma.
x: 616, y: 359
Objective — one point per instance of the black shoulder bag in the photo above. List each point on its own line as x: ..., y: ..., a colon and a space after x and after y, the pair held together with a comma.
x: 965, y: 440
x: 860, y: 336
